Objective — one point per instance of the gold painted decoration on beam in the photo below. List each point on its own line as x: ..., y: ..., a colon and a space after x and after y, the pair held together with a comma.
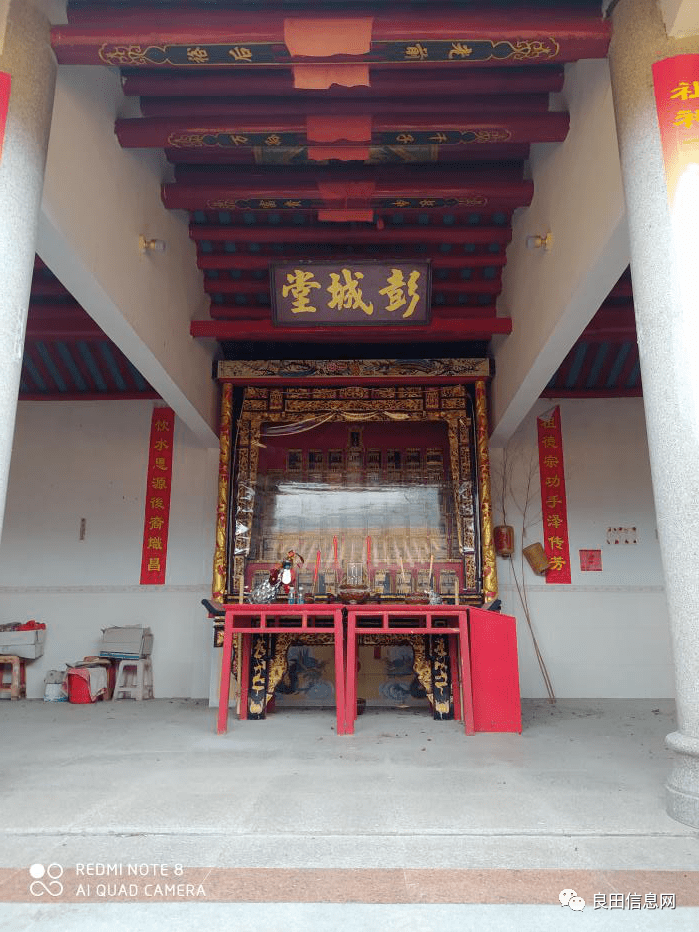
x: 237, y: 54
x: 468, y: 51
x: 225, y: 55
x: 288, y: 370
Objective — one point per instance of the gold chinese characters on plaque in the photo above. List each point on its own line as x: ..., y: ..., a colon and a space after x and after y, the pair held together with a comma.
x: 355, y: 293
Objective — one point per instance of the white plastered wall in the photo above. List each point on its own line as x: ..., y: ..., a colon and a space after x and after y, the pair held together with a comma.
x: 89, y: 460
x: 606, y: 634
x: 551, y: 296
x: 98, y: 199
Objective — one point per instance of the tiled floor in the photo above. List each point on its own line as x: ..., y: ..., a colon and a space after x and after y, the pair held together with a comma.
x: 149, y: 817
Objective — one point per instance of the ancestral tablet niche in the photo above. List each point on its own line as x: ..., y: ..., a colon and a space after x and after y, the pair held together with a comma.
x: 378, y: 494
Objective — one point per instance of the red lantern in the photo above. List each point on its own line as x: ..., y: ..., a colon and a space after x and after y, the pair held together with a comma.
x: 5, y: 82
x: 504, y: 538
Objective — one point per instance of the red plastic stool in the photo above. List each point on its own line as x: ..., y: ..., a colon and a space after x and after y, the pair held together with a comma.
x: 16, y: 686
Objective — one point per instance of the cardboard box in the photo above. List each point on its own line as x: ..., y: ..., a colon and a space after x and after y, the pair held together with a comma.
x: 27, y: 644
x: 126, y: 643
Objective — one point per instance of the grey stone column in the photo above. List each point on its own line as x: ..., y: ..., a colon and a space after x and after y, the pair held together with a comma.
x: 667, y: 320
x: 26, y: 55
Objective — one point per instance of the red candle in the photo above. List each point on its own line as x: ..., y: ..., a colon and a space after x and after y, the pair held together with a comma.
x: 335, y: 549
x: 315, y: 573
x: 368, y: 550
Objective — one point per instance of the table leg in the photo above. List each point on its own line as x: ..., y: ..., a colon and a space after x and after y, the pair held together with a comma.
x: 224, y: 690
x: 351, y: 688
x: 340, y: 674
x: 244, y: 665
x: 466, y: 688
x: 455, y: 678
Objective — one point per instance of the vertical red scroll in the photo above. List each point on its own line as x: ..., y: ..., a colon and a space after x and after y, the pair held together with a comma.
x: 676, y: 84
x: 5, y: 82
x: 158, y: 486
x: 553, y: 497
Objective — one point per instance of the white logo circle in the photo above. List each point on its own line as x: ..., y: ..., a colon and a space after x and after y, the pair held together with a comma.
x: 53, y: 887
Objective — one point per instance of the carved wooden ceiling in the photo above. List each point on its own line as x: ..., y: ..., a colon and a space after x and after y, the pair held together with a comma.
x: 416, y: 150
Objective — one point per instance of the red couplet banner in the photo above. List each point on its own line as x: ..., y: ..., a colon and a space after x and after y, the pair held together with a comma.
x: 5, y: 83
x: 158, y: 485
x: 553, y: 497
x: 676, y: 84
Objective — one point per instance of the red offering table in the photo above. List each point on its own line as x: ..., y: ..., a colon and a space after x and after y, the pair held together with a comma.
x: 451, y: 621
x: 494, y: 672
x: 248, y: 620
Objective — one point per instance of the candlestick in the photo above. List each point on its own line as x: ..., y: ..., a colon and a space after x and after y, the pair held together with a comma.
x: 315, y: 572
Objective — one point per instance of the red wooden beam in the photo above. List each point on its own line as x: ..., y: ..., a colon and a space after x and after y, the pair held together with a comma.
x: 381, y: 175
x: 611, y: 323
x: 436, y: 193
x: 438, y: 330
x: 144, y: 37
x: 271, y: 107
x: 441, y: 312
x: 58, y: 328
x: 249, y: 263
x: 514, y: 152
x: 219, y: 131
x: 385, y: 80
x: 324, y: 236
x: 47, y: 287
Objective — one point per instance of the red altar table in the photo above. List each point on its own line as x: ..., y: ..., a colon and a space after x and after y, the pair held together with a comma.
x: 307, y: 619
x: 405, y: 620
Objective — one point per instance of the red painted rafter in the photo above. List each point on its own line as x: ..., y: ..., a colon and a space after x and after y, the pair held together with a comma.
x: 628, y: 366
x: 259, y: 107
x: 575, y: 34
x: 157, y: 132
x: 636, y: 392
x: 439, y: 330
x: 251, y: 263
x: 608, y: 364
x: 385, y: 80
x: 325, y: 236
x: 90, y: 395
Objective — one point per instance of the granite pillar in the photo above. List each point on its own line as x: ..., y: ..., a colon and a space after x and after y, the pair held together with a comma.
x: 667, y: 321
x: 26, y: 55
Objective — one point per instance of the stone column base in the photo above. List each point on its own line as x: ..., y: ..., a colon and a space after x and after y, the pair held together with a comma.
x: 682, y: 787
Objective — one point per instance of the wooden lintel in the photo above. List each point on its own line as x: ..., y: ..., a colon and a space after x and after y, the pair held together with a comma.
x: 440, y: 330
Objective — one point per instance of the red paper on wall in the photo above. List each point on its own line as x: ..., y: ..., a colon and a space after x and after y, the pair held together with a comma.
x: 676, y: 84
x: 5, y: 83
x: 554, y: 507
x: 158, y: 485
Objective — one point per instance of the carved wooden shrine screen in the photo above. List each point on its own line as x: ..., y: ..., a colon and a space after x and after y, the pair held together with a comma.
x: 374, y: 483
